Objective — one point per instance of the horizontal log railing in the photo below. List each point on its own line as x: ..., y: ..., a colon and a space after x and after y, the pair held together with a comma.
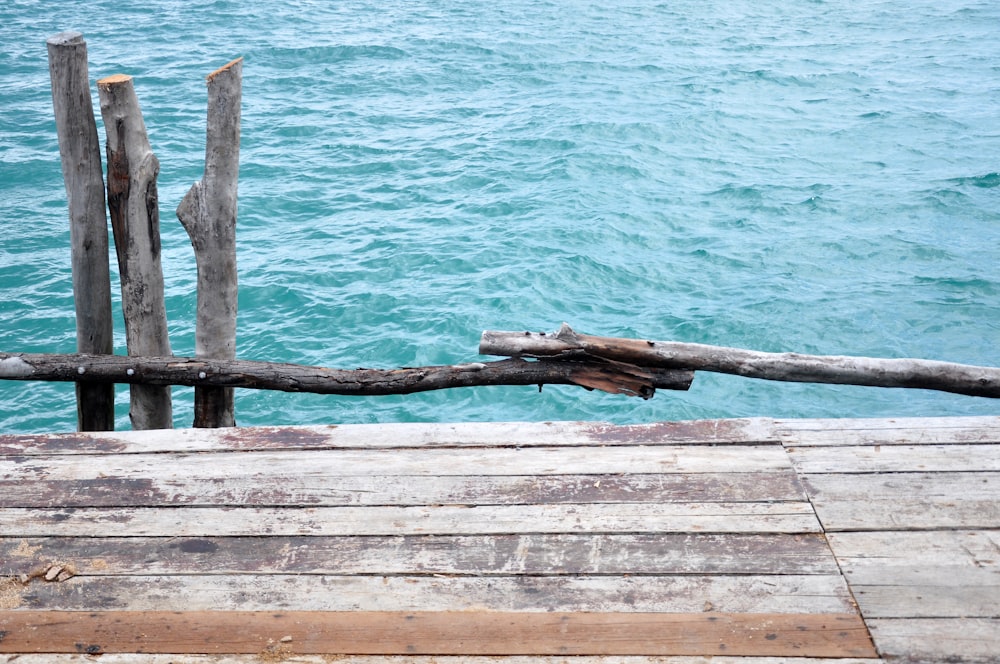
x: 965, y: 379
x: 613, y: 377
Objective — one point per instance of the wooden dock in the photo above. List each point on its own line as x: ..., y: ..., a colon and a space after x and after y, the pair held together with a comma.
x: 744, y: 541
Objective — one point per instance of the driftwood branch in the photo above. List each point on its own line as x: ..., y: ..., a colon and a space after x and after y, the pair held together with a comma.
x: 925, y: 374
x: 135, y: 220
x: 208, y: 214
x: 80, y: 151
x: 319, y: 380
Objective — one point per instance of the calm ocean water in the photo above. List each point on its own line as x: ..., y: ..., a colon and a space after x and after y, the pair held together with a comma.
x: 815, y: 176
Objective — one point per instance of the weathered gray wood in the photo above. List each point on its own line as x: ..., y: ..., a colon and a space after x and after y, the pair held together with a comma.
x: 80, y: 152
x: 135, y: 220
x: 809, y: 593
x: 935, y: 574
x: 895, y: 458
x: 415, y: 520
x: 890, y: 431
x: 165, y: 371
x: 268, y: 466
x: 152, y: 658
x: 208, y: 214
x: 905, y: 501
x: 475, y: 555
x: 397, y: 436
x: 796, y: 367
x: 113, y: 491
x: 932, y: 641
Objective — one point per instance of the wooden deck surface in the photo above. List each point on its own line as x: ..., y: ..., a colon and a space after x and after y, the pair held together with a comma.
x: 748, y: 541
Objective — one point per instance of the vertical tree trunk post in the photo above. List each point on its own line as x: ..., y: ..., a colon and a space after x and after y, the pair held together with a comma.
x: 208, y: 214
x: 80, y: 152
x: 135, y: 220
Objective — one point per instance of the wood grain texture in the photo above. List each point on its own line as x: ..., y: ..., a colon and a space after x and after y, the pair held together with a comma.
x: 397, y: 436
x: 272, y: 465
x: 479, y: 555
x: 313, y: 490
x: 785, y: 517
x: 464, y: 633
x: 897, y: 458
x: 148, y: 658
x: 97, y: 587
x: 889, y: 431
x: 906, y: 501
x: 930, y: 641
x: 937, y: 574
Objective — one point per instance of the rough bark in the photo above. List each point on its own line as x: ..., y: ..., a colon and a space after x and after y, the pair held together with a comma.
x: 913, y: 373
x: 135, y: 220
x: 208, y: 214
x: 80, y: 152
x: 360, y: 382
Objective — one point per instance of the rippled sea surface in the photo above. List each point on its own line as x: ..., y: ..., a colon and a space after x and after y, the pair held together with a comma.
x: 821, y: 177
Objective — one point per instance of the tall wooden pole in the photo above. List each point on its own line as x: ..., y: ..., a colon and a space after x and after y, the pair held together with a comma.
x: 208, y: 214
x: 135, y: 219
x: 80, y: 151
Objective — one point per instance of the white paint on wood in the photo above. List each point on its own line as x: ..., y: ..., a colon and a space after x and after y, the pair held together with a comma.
x: 895, y: 458
x: 803, y: 594
x: 273, y: 466
x: 937, y: 640
x: 906, y: 501
x: 403, y: 435
x: 419, y: 520
x: 889, y: 431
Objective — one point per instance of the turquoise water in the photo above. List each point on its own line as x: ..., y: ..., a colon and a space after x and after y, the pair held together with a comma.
x: 821, y: 177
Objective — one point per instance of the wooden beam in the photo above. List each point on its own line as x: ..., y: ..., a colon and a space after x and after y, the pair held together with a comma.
x: 161, y: 371
x: 208, y: 214
x: 442, y: 633
x: 135, y: 220
x: 924, y: 374
x: 80, y: 151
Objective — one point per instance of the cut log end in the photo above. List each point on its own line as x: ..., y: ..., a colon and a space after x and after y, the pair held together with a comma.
x: 67, y: 38
x: 114, y: 79
x: 223, y: 68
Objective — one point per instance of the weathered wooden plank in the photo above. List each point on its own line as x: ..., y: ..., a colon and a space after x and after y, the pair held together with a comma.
x: 414, y: 490
x: 469, y: 632
x: 808, y: 593
x: 937, y: 640
x: 935, y: 574
x: 895, y: 458
x: 150, y: 658
x: 417, y: 520
x: 905, y: 501
x: 265, y: 465
x: 501, y: 555
x: 895, y: 550
x: 395, y: 436
x: 894, y: 431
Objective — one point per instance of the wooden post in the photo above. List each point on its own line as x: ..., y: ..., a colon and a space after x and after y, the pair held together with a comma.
x: 80, y: 152
x: 135, y: 219
x: 208, y: 214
